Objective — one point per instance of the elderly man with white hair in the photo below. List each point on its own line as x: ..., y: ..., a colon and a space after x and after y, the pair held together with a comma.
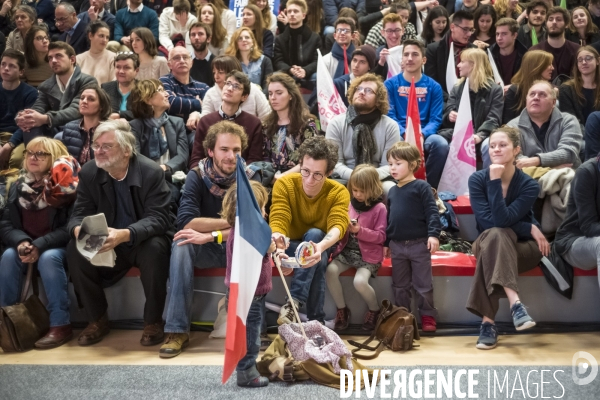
x: 130, y: 190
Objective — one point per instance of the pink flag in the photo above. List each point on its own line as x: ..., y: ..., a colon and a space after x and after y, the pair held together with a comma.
x: 329, y: 100
x: 413, y: 133
x: 460, y: 163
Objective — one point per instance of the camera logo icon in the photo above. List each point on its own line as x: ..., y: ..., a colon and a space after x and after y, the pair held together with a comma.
x: 585, y: 368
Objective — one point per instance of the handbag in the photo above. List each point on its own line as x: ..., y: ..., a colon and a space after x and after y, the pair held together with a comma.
x: 396, y: 329
x: 24, y: 323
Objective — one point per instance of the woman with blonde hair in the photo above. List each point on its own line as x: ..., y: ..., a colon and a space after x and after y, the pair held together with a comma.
x: 254, y: 64
x: 219, y: 40
x: 581, y: 29
x: 509, y: 9
x: 536, y: 65
x: 269, y: 19
x: 486, y: 96
x: 252, y: 18
x: 34, y: 230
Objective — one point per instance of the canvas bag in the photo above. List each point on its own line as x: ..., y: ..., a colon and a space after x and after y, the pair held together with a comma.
x: 24, y: 323
x: 396, y: 329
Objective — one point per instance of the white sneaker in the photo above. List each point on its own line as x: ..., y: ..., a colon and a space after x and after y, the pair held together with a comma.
x: 286, y: 314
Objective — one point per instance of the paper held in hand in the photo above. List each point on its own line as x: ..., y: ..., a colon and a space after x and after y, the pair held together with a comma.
x: 92, y: 235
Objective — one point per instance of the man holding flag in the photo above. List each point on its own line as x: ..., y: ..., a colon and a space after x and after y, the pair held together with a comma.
x: 430, y: 101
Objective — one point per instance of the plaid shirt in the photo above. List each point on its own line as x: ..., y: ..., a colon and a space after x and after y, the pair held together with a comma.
x: 376, y: 39
x: 183, y: 97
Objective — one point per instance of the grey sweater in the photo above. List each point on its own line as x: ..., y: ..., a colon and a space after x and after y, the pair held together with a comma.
x: 340, y: 132
x: 563, y: 139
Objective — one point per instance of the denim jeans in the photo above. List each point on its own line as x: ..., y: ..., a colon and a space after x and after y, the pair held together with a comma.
x: 51, y: 266
x: 181, y: 280
x: 246, y: 368
x: 308, y: 284
x: 436, y: 150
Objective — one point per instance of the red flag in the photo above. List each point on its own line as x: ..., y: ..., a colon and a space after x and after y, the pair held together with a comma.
x: 413, y: 133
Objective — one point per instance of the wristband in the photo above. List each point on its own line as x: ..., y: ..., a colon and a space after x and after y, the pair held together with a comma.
x: 219, y: 237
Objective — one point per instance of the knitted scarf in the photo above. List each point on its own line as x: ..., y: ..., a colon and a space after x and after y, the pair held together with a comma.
x: 157, y: 145
x: 343, y: 57
x: 363, y: 140
x: 56, y: 189
x: 361, y: 207
x: 217, y: 184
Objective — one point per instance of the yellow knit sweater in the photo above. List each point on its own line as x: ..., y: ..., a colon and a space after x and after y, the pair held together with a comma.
x: 293, y: 213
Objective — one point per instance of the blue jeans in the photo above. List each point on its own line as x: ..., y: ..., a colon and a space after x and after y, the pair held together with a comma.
x: 436, y: 150
x: 246, y: 368
x: 308, y: 284
x: 181, y: 280
x: 51, y: 266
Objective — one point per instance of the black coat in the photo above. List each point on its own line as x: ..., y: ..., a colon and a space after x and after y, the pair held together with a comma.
x: 74, y: 138
x: 437, y: 61
x: 150, y: 196
x: 112, y: 90
x: 519, y: 48
x: 306, y: 51
x: 569, y: 102
x: 79, y: 40
x: 11, y: 225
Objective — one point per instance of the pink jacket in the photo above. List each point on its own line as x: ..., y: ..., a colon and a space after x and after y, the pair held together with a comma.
x: 371, y: 235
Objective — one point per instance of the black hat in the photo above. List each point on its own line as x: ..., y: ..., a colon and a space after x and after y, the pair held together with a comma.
x: 368, y: 52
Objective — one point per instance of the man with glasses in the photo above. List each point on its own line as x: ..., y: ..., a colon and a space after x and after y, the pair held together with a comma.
x: 338, y: 60
x: 308, y: 207
x: 438, y: 53
x: 131, y: 191
x: 73, y: 31
x: 534, y: 31
x: 563, y: 50
x: 363, y: 60
x: 392, y: 30
x: 364, y: 133
x: 185, y: 93
x: 235, y: 92
x: 127, y: 65
x: 16, y: 96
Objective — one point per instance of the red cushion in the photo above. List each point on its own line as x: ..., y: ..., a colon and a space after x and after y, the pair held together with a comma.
x: 462, y: 205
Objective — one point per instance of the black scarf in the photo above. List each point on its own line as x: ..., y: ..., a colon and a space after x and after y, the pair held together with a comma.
x: 361, y: 207
x: 363, y: 140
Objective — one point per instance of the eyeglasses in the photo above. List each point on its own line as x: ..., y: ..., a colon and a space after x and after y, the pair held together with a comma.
x: 234, y: 86
x: 41, y: 38
x: 105, y: 147
x: 160, y: 89
x: 365, y: 90
x: 61, y: 20
x: 465, y: 29
x: 396, y: 31
x: 317, y: 176
x: 38, y: 155
x: 181, y: 58
x: 586, y: 59
x: 343, y: 31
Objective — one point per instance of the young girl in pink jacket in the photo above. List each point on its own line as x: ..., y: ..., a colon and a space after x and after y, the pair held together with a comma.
x: 362, y: 247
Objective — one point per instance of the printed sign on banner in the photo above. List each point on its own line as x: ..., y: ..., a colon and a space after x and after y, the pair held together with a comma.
x: 329, y: 101
x: 238, y: 5
x: 394, y: 61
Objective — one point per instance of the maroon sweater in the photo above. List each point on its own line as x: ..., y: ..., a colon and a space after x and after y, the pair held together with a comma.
x: 265, y: 282
x: 252, y: 126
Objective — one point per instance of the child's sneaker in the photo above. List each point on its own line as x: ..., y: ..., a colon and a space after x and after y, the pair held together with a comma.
x: 428, y: 323
x: 260, y: 381
x: 370, y: 320
x: 342, y: 319
x: 286, y: 314
x: 488, y: 336
x: 521, y: 319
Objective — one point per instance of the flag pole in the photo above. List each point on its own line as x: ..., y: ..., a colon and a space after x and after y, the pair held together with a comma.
x: 287, y: 290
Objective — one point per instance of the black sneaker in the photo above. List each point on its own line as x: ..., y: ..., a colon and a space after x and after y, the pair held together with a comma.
x: 260, y: 381
x: 488, y: 336
x: 521, y: 318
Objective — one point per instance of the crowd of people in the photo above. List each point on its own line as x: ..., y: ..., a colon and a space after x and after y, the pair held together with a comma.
x: 138, y: 111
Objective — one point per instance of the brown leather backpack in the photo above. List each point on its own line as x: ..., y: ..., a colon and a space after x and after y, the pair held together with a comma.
x: 396, y: 329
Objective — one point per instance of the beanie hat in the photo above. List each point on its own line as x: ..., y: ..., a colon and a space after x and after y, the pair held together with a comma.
x: 368, y: 52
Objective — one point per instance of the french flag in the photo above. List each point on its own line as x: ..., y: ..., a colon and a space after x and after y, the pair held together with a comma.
x: 251, y: 242
x: 413, y: 133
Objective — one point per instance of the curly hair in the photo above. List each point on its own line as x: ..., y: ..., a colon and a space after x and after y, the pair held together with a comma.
x: 221, y: 128
x: 141, y: 94
x: 228, y: 209
x: 381, y: 95
x: 318, y: 148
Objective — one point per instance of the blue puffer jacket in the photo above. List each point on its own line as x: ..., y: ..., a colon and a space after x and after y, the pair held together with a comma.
x: 74, y: 138
x: 333, y: 7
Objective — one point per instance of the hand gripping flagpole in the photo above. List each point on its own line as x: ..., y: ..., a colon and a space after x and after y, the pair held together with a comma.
x: 287, y: 290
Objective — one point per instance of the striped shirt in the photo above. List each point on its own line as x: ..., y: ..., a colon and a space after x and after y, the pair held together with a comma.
x: 183, y: 97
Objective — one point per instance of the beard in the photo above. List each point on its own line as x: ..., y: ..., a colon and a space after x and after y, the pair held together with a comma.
x: 199, y: 47
x: 364, y: 108
x: 556, y: 34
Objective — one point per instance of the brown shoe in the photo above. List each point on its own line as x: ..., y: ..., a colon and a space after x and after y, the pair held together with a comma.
x: 153, y: 334
x: 370, y: 320
x: 175, y: 343
x: 342, y: 319
x: 94, y: 332
x: 56, y: 336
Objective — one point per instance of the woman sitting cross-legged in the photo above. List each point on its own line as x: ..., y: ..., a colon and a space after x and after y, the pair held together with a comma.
x: 510, y: 242
x: 34, y: 230
x: 159, y: 136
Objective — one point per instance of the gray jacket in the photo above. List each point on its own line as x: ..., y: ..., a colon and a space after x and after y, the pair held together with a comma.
x: 563, y: 139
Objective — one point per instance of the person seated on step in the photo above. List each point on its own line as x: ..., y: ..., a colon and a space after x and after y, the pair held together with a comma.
x: 308, y: 207
x: 364, y: 133
x: 71, y: 28
x: 362, y: 61
x: 127, y: 65
x: 200, y: 241
x: 510, y: 240
x: 34, y: 230
x: 337, y: 61
x: 392, y: 30
x: 131, y: 191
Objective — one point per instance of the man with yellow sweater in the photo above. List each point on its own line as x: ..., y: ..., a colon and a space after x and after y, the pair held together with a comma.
x: 308, y: 207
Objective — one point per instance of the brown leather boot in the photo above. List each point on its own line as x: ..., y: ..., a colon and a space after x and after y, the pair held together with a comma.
x: 94, y: 332
x: 153, y: 334
x: 342, y: 319
x: 56, y: 336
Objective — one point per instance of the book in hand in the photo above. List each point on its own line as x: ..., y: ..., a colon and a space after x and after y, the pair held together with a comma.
x: 92, y: 235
